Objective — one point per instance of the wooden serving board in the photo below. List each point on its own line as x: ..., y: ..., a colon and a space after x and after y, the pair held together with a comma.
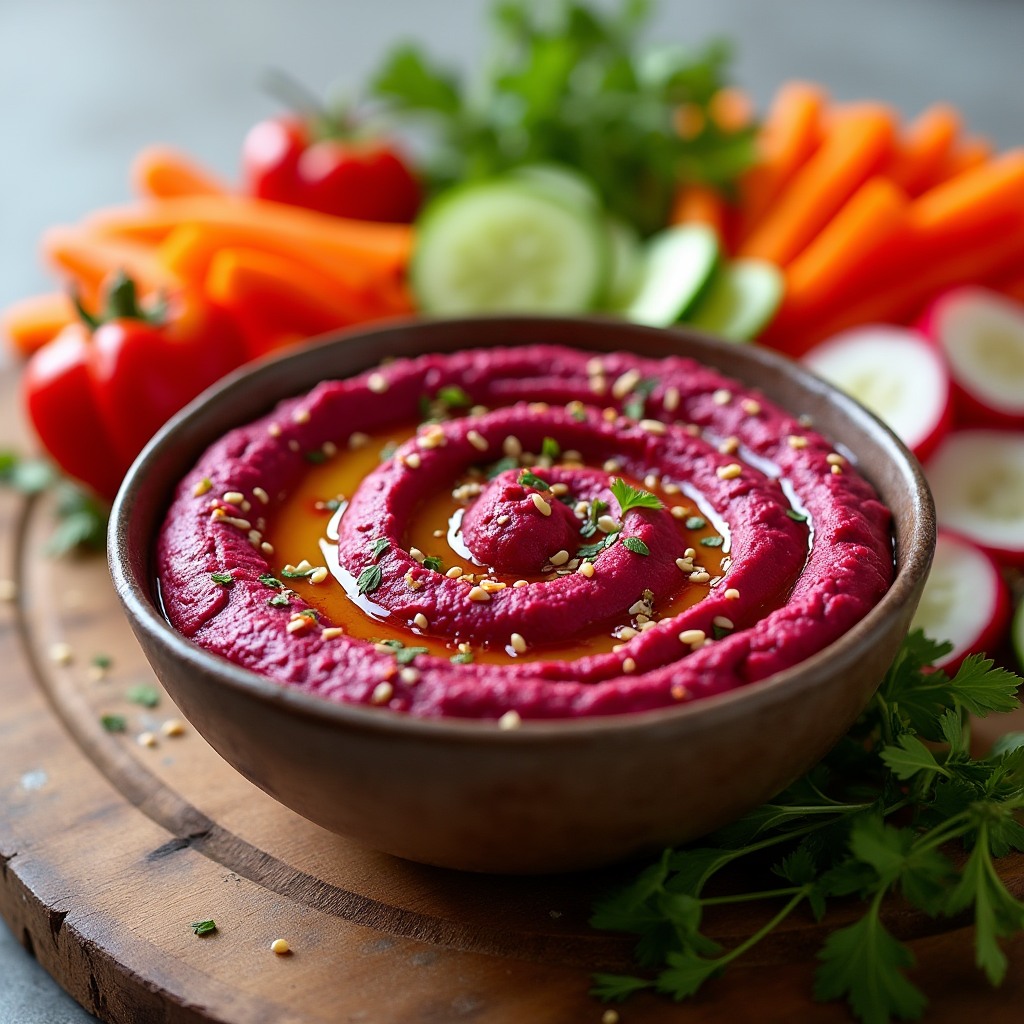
x: 109, y: 849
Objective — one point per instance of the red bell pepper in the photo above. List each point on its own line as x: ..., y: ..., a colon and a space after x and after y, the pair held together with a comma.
x: 320, y: 161
x: 103, y: 387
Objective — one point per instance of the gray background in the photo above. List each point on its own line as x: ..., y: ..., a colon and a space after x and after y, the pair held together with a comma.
x: 85, y: 83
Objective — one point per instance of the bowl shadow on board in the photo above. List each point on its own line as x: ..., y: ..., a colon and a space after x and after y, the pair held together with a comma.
x: 554, y: 795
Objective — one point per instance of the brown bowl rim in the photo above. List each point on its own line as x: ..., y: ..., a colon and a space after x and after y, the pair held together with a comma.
x: 142, y: 606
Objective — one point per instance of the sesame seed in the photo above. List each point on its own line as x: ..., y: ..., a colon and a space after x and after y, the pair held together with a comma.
x: 329, y: 448
x: 684, y: 565
x: 260, y: 495
x: 638, y: 607
x: 679, y: 511
x: 729, y: 472
x: 382, y: 693
x: 653, y: 426
x: 538, y: 407
x: 331, y: 633
x: 650, y: 481
x: 173, y: 727
x: 559, y: 557
x: 693, y: 637
x: 409, y: 675
x: 503, y: 520
x: 627, y: 633
x: 595, y: 366
x: 629, y: 665
x: 492, y: 586
x: 280, y: 947
x: 477, y: 440
x: 700, y: 576
x: 690, y: 553
x: 299, y: 624
x: 609, y: 415
x: 722, y: 622
x: 417, y: 554
x: 837, y: 470
x: 834, y: 459
x: 465, y: 648
x: 606, y: 524
x: 236, y: 521
x: 510, y: 720
x: 478, y: 410
x: 540, y: 504
x: 586, y: 569
x: 377, y: 383
x: 625, y: 384
x: 750, y: 406
x: 454, y: 572
x: 518, y: 643
x: 318, y: 575
x: 412, y: 460
x: 598, y: 385
x: 732, y: 594
x: 255, y: 538
x: 267, y: 548
x: 649, y: 624
x: 512, y: 447
x: 575, y: 407
x: 61, y: 653
x: 611, y: 466
x: 301, y: 415
x: 572, y: 456
x: 729, y: 446
x: 202, y: 487
x: 274, y: 430
x: 671, y: 400
x: 420, y: 620
x: 432, y: 438
x: 521, y: 583
x: 559, y: 490
x: 610, y: 1017
x: 721, y: 397
x: 146, y: 739
x: 303, y: 566
x: 8, y: 590
x: 479, y: 594
x: 795, y: 441
x: 439, y: 534
x: 357, y: 440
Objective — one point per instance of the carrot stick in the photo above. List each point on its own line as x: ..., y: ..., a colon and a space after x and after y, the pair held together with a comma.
x: 159, y: 172
x: 789, y: 135
x: 971, y: 153
x: 276, y: 303
x: 378, y: 247
x: 923, y: 149
x: 904, y: 297
x: 30, y: 323
x: 855, y: 145
x: 868, y: 222
x: 88, y: 259
x: 699, y: 204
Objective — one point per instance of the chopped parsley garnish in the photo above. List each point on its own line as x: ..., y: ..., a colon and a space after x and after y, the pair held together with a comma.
x: 378, y: 547
x: 528, y: 479
x: 203, y: 927
x: 720, y: 632
x: 453, y: 397
x: 102, y: 660
x: 695, y: 523
x: 369, y: 579
x: 114, y: 723
x: 316, y: 456
x: 550, y: 449
x: 579, y: 415
x: 900, y: 805
x: 310, y: 613
x: 797, y: 517
x: 591, y: 550
x: 225, y: 579
x: 147, y: 696
x: 462, y: 658
x: 271, y: 581
x: 298, y: 574
x: 503, y: 465
x: 635, y: 405
x: 633, y: 497
x: 403, y: 655
x: 432, y: 562
x: 597, y: 509
x: 636, y: 545
x: 712, y: 542
x: 278, y: 601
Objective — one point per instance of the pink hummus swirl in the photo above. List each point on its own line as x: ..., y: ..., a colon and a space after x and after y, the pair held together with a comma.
x: 808, y: 542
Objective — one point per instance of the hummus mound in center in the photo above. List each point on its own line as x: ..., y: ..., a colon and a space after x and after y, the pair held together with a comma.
x: 521, y: 534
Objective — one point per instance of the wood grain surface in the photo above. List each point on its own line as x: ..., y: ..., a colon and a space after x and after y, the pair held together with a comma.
x: 109, y: 849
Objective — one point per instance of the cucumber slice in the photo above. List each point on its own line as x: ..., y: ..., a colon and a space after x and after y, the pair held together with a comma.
x: 508, y: 246
x: 678, y: 264
x: 626, y: 264
x: 740, y: 301
x: 560, y: 183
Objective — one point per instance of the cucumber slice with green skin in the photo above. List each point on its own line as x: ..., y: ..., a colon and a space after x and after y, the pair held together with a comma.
x: 560, y: 183
x: 678, y: 264
x: 508, y: 246
x: 740, y: 300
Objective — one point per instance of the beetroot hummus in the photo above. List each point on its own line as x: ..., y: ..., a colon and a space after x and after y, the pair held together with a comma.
x: 747, y: 544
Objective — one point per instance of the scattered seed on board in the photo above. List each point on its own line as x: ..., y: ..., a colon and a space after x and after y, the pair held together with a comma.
x: 173, y: 727
x: 281, y: 947
x: 61, y: 653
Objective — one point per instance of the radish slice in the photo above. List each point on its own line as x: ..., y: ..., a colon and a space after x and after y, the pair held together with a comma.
x: 965, y: 600
x: 896, y: 374
x: 977, y: 477
x: 982, y: 336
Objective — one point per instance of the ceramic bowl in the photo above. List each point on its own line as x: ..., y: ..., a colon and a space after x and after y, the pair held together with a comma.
x: 554, y: 795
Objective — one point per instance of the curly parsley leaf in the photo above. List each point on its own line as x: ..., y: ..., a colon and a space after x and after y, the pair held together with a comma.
x: 369, y: 579
x: 636, y: 545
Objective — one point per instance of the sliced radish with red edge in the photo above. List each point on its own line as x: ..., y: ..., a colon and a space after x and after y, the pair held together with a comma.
x: 965, y: 601
x: 981, y: 334
x: 977, y: 478
x: 896, y: 374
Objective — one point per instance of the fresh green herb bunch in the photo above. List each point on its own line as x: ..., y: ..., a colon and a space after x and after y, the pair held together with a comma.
x: 569, y: 84
x: 898, y: 806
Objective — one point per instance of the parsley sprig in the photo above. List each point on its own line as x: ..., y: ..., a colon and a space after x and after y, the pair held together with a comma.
x: 633, y: 497
x: 885, y: 811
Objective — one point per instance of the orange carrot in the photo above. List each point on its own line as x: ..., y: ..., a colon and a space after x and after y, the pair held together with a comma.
x: 731, y: 109
x: 88, y: 258
x: 856, y: 143
x: 30, y: 323
x: 160, y: 172
x: 969, y: 154
x: 905, y: 296
x: 377, y: 247
x: 276, y: 303
x: 789, y: 135
x: 923, y: 149
x: 700, y: 204
x: 872, y: 219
